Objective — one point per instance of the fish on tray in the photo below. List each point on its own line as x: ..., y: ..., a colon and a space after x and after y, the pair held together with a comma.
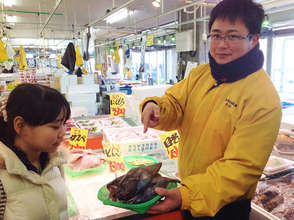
x: 138, y: 184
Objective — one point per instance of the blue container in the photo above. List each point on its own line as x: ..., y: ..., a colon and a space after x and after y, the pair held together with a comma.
x: 126, y: 89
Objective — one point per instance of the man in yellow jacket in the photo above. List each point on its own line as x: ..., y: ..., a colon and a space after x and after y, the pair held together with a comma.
x: 228, y: 114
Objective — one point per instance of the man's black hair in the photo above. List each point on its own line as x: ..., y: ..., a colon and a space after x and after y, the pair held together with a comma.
x: 249, y: 12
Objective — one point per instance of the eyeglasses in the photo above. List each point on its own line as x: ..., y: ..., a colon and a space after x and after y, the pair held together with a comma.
x: 230, y: 38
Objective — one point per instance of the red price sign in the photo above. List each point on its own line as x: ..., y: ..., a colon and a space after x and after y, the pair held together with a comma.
x: 114, y: 157
x: 115, y: 166
x: 170, y: 141
x: 118, y: 111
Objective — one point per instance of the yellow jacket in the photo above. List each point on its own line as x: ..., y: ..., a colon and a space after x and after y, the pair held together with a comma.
x: 227, y: 134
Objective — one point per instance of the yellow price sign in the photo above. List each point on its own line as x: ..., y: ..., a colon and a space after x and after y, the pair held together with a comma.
x: 11, y: 86
x: 149, y: 40
x: 114, y: 157
x: 78, y: 137
x: 117, y: 104
x: 170, y: 141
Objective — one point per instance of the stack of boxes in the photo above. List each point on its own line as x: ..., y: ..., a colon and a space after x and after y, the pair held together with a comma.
x: 80, y: 92
x: 138, y: 95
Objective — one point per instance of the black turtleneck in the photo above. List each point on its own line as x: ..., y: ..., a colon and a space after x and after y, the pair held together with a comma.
x: 237, y: 69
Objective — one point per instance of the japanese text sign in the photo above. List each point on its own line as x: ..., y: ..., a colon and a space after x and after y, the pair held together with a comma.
x: 114, y: 157
x: 170, y: 141
x: 11, y: 86
x: 117, y: 104
x: 78, y: 137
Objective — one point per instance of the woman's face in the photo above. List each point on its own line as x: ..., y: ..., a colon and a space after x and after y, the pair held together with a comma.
x: 47, y: 137
x: 225, y: 50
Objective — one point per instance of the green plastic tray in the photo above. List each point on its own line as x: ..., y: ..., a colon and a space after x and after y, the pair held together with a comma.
x: 73, y: 173
x: 126, y: 158
x: 140, y: 208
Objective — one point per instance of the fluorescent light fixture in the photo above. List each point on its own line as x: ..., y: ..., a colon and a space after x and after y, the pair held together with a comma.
x: 8, y: 3
x: 156, y: 3
x: 10, y: 19
x: 119, y: 15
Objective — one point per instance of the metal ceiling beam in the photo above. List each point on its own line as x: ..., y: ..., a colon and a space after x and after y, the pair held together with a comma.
x: 50, y: 16
x: 31, y: 12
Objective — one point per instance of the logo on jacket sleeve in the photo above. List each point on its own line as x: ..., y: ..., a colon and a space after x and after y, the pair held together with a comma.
x: 230, y: 103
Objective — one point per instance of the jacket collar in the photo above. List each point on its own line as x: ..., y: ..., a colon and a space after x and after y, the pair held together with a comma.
x: 11, y: 161
x: 237, y: 69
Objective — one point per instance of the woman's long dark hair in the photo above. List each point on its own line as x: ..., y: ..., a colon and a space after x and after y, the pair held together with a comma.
x: 36, y: 104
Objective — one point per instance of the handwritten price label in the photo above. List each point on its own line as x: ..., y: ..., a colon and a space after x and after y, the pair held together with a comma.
x: 78, y: 137
x: 114, y: 157
x: 117, y: 104
x: 170, y: 141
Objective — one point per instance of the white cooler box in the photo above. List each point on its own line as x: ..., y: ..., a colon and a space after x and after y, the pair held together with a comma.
x: 133, y: 141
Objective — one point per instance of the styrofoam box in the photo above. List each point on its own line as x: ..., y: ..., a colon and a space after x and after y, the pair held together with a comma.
x: 81, y: 97
x: 140, y: 93
x: 88, y: 79
x: 258, y: 213
x: 72, y: 80
x: 132, y: 145
x: 81, y: 88
x: 92, y: 108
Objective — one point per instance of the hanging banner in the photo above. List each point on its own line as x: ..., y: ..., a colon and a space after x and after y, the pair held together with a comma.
x: 149, y: 40
x: 117, y: 104
x: 114, y: 157
x: 170, y: 141
x: 78, y: 137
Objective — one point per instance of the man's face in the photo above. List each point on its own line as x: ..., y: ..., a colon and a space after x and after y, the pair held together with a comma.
x: 227, y: 50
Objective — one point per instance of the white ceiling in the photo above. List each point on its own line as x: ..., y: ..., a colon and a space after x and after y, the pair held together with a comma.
x: 74, y: 15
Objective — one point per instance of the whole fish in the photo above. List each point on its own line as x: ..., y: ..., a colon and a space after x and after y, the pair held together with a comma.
x: 135, y: 180
x: 149, y: 193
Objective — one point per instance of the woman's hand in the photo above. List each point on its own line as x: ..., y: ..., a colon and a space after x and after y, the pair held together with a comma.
x: 172, y: 200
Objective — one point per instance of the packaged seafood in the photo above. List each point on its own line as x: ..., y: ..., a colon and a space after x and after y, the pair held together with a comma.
x: 276, y: 164
x: 133, y: 141
x: 276, y: 196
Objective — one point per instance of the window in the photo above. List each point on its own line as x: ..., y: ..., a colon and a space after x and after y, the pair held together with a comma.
x: 283, y: 65
x: 160, y: 65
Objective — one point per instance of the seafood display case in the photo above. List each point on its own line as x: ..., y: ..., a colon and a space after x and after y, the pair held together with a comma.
x: 274, y: 197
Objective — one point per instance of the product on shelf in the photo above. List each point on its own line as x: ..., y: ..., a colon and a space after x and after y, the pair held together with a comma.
x: 276, y: 164
x: 277, y: 196
x: 133, y: 141
x: 83, y: 159
x: 96, y: 124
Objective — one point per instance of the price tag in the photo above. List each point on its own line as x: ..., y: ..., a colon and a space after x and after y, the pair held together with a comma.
x: 170, y: 141
x: 114, y: 157
x: 117, y: 104
x: 11, y: 86
x: 78, y: 137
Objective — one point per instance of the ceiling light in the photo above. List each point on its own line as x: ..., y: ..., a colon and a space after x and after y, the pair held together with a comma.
x: 8, y: 3
x: 156, y: 3
x: 11, y: 19
x: 116, y: 16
